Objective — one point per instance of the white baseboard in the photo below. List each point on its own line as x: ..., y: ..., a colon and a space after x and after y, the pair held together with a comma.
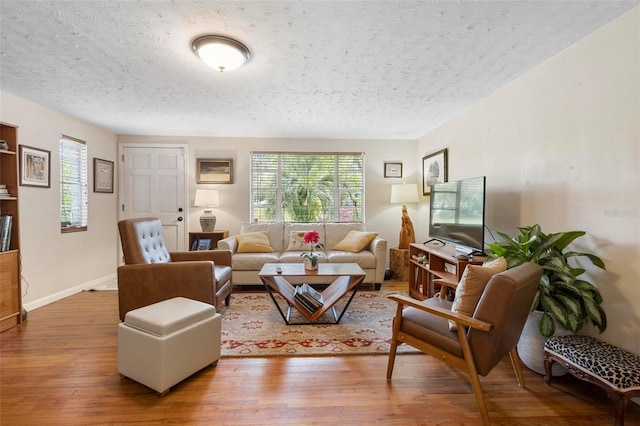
x: 102, y: 282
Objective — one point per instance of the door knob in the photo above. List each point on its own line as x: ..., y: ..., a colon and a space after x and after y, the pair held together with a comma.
x: 180, y: 219
x: 180, y: 210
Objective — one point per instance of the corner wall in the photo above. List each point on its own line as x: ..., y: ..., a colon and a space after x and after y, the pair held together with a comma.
x: 56, y: 265
x: 560, y: 146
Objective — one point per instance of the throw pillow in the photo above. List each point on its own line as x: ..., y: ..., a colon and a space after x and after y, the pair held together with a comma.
x: 296, y: 241
x: 355, y: 241
x: 472, y: 283
x: 254, y: 242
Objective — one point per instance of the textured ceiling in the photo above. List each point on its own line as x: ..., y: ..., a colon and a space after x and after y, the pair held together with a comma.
x: 320, y: 69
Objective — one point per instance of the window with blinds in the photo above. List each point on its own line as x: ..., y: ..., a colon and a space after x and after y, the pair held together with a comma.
x: 73, y: 185
x: 307, y: 187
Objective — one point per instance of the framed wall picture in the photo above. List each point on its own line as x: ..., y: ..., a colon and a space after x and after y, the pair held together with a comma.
x: 214, y: 170
x: 392, y: 170
x: 434, y: 170
x: 35, y: 167
x: 102, y: 175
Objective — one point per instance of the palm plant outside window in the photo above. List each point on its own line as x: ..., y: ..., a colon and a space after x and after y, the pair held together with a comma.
x: 307, y: 187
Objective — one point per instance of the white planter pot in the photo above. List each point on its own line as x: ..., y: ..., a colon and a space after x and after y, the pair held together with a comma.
x: 309, y: 267
x: 531, y: 345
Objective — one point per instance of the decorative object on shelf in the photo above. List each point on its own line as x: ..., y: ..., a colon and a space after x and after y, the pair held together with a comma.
x: 405, y: 193
x: 214, y: 170
x: 207, y: 198
x: 434, y: 170
x: 102, y: 176
x: 562, y: 298
x: 392, y: 170
x: 220, y: 52
x: 35, y: 167
x: 4, y: 145
x: 310, y: 259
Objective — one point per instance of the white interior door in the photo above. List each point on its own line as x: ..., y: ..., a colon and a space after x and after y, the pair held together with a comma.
x: 153, y: 185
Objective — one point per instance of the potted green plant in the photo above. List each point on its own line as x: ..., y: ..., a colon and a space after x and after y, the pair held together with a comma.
x: 562, y: 295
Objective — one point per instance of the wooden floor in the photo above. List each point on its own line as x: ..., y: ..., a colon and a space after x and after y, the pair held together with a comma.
x: 59, y: 368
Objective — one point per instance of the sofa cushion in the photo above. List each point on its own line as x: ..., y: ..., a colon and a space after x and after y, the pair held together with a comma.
x: 253, y: 261
x: 365, y: 258
x: 304, y: 228
x: 294, y: 256
x: 254, y: 242
x: 296, y: 241
x: 274, y: 229
x: 335, y: 232
x: 355, y: 241
x: 472, y: 283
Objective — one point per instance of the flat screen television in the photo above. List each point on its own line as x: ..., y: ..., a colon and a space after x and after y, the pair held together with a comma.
x: 456, y: 214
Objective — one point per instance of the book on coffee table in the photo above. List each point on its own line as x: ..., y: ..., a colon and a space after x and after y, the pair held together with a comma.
x: 309, y: 297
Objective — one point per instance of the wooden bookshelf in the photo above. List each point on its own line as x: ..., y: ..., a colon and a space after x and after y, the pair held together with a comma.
x: 10, y: 293
x: 441, y: 261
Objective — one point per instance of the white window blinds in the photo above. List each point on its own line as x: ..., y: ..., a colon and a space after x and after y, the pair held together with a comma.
x: 73, y: 185
x: 307, y: 187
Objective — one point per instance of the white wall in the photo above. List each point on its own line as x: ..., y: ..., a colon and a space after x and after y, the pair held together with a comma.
x: 380, y: 216
x: 560, y: 146
x: 55, y: 265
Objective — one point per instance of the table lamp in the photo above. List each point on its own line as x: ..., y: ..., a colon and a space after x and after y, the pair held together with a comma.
x: 207, y: 198
x: 405, y: 193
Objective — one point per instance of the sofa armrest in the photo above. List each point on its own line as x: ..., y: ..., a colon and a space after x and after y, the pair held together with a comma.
x: 230, y: 243
x: 379, y: 248
x: 145, y: 284
x: 220, y: 257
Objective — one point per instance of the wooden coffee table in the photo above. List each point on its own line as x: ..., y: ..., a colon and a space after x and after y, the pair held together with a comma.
x: 349, y: 276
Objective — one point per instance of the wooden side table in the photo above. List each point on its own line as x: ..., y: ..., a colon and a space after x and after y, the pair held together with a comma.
x: 399, y: 264
x: 214, y: 236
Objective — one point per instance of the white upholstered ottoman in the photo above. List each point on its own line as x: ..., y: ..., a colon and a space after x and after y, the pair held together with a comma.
x: 162, y: 344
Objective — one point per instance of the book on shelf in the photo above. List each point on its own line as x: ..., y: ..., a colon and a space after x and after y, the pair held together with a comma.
x: 5, y: 232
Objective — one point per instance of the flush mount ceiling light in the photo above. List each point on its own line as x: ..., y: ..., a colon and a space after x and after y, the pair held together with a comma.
x: 220, y: 52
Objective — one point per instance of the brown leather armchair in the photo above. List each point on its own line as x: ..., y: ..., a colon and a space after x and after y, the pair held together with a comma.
x: 482, y: 340
x: 152, y: 274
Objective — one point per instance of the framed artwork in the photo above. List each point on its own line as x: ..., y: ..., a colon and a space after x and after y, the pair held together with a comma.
x: 214, y: 170
x: 392, y: 170
x: 35, y: 167
x: 434, y: 170
x: 102, y: 175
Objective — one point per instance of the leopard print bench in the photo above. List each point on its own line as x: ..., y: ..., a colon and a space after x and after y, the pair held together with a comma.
x: 615, y: 370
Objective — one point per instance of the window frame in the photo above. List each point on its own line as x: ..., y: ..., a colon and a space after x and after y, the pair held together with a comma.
x: 341, y: 189
x: 78, y: 184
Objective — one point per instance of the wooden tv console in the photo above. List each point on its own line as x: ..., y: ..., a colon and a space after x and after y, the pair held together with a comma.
x: 441, y: 261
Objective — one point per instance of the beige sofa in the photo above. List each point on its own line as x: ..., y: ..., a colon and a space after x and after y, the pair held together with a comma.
x: 246, y: 266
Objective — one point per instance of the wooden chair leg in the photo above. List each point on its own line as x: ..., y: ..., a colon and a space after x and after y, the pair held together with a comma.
x: 392, y: 358
x: 477, y: 391
x: 517, y: 366
x: 394, y: 341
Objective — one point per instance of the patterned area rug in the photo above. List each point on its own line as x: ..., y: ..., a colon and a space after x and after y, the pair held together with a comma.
x: 252, y: 326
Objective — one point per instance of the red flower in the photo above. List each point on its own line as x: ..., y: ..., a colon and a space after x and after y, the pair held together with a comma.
x: 311, y: 237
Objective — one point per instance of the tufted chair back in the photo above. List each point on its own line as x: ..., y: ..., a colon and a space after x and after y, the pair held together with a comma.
x: 142, y: 241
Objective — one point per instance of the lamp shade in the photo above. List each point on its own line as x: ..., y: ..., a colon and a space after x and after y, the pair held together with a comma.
x: 220, y: 52
x: 404, y: 193
x: 207, y: 198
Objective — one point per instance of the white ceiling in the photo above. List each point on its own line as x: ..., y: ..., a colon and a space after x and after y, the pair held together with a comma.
x: 320, y: 69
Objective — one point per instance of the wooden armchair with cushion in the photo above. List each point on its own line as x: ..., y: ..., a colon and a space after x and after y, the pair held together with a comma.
x: 152, y: 274
x: 480, y: 340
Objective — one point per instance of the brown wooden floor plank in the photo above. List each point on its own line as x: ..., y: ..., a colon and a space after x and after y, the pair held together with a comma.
x: 60, y: 367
